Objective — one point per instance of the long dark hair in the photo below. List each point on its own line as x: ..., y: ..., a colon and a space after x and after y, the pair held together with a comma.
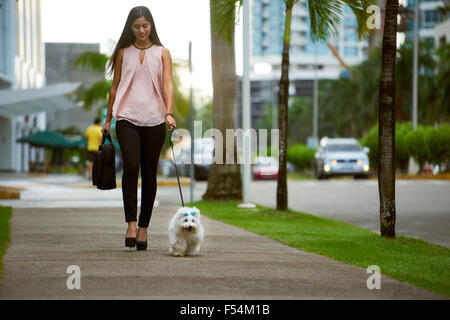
x: 127, y: 38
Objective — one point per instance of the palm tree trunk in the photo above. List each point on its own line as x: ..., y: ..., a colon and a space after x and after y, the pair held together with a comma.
x: 386, y: 137
x: 283, y: 98
x: 224, y: 180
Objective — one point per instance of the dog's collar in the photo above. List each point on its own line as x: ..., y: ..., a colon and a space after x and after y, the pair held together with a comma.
x: 187, y: 214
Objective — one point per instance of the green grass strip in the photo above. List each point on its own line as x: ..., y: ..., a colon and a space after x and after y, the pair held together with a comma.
x: 407, y: 259
x: 5, y: 216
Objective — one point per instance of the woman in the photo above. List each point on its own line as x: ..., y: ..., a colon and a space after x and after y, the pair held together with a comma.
x: 141, y: 101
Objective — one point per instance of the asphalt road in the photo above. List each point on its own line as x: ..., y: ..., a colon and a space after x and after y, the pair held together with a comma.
x: 422, y: 206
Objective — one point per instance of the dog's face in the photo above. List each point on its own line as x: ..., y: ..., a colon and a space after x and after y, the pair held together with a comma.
x: 188, y: 219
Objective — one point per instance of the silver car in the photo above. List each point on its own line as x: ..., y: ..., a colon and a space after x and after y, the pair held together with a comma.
x: 341, y: 156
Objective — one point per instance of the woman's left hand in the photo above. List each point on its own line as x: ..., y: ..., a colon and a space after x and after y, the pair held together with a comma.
x: 171, y: 122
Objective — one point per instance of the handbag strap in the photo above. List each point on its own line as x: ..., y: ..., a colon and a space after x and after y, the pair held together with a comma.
x: 106, y: 135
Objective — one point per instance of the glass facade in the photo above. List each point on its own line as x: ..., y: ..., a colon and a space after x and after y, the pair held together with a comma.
x: 350, y: 51
x: 429, y: 16
x: 268, y: 28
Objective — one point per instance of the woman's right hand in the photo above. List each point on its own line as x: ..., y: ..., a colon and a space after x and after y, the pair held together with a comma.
x: 106, y: 126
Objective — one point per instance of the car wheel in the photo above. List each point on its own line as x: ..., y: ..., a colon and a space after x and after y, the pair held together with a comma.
x: 322, y: 177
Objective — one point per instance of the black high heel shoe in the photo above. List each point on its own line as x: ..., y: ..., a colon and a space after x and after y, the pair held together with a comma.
x: 131, y: 241
x: 142, y: 245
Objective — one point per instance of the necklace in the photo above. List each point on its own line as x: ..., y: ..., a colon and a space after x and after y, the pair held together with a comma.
x: 142, y: 48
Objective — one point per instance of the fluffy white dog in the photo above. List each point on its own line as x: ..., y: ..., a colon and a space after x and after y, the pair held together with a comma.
x: 185, y: 232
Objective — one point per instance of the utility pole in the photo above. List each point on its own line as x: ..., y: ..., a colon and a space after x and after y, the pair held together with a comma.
x: 412, y: 166
x: 191, y: 125
x: 415, y: 63
x: 316, y: 97
x: 246, y: 111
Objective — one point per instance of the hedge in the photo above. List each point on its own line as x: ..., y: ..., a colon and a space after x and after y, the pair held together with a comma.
x: 301, y: 156
x: 425, y: 144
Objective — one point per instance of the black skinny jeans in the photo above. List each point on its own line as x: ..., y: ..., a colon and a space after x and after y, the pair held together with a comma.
x: 140, y: 146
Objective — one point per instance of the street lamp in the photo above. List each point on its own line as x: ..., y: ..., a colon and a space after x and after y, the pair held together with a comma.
x: 246, y: 174
x: 412, y: 166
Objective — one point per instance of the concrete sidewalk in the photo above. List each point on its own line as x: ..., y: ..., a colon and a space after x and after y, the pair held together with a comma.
x: 233, y: 263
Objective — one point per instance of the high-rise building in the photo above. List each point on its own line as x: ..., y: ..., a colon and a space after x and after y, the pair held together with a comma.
x: 59, y: 67
x: 429, y: 17
x: 24, y: 96
x: 308, y: 59
x: 442, y: 31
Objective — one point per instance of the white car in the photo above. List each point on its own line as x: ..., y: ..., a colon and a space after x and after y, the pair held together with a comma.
x: 341, y: 156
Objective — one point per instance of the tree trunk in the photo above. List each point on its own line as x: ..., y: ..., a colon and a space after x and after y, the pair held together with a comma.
x: 386, y: 136
x: 283, y: 98
x: 224, y: 180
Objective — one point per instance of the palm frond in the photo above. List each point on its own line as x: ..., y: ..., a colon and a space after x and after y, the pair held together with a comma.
x: 93, y: 61
x: 98, y: 92
x: 359, y: 8
x: 327, y: 15
x: 223, y: 17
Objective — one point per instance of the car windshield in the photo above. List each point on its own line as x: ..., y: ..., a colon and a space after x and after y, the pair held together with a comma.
x: 342, y: 147
x: 266, y: 162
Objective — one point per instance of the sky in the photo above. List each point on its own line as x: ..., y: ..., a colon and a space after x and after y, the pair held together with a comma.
x: 102, y: 21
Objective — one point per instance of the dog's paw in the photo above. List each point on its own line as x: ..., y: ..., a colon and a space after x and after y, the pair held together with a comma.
x: 177, y: 254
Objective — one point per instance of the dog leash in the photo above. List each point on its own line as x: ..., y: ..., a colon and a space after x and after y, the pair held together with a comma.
x: 176, y: 170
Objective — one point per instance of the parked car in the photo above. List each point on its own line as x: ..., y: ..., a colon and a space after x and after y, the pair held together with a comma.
x: 265, y: 168
x: 341, y: 156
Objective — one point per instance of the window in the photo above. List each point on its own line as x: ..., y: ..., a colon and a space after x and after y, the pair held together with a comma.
x: 350, y: 22
x: 430, y: 18
x: 350, y: 51
x: 342, y: 147
x: 350, y: 36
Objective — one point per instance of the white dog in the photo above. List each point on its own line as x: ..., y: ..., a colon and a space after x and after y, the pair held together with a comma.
x: 185, y: 232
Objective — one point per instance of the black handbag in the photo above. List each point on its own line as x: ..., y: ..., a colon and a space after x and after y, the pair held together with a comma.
x: 104, y: 166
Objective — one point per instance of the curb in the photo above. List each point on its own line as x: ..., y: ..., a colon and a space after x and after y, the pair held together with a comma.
x: 163, y: 183
x: 9, y: 193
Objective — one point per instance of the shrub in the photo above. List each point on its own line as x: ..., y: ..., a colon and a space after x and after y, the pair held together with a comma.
x: 300, y: 155
x: 418, y: 146
x: 425, y: 144
x: 401, y: 146
x: 371, y: 141
x: 438, y: 143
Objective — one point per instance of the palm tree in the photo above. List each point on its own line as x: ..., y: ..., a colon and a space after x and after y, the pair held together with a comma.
x: 98, y: 92
x: 325, y: 16
x: 283, y: 98
x: 224, y: 180
x: 386, y: 119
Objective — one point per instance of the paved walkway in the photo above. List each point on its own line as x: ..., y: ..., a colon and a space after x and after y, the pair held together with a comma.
x: 233, y: 263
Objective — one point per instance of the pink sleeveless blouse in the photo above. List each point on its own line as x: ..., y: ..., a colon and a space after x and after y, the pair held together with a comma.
x: 139, y: 94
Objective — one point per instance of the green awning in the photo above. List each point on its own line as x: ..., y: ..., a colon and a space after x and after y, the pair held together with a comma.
x: 51, y: 139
